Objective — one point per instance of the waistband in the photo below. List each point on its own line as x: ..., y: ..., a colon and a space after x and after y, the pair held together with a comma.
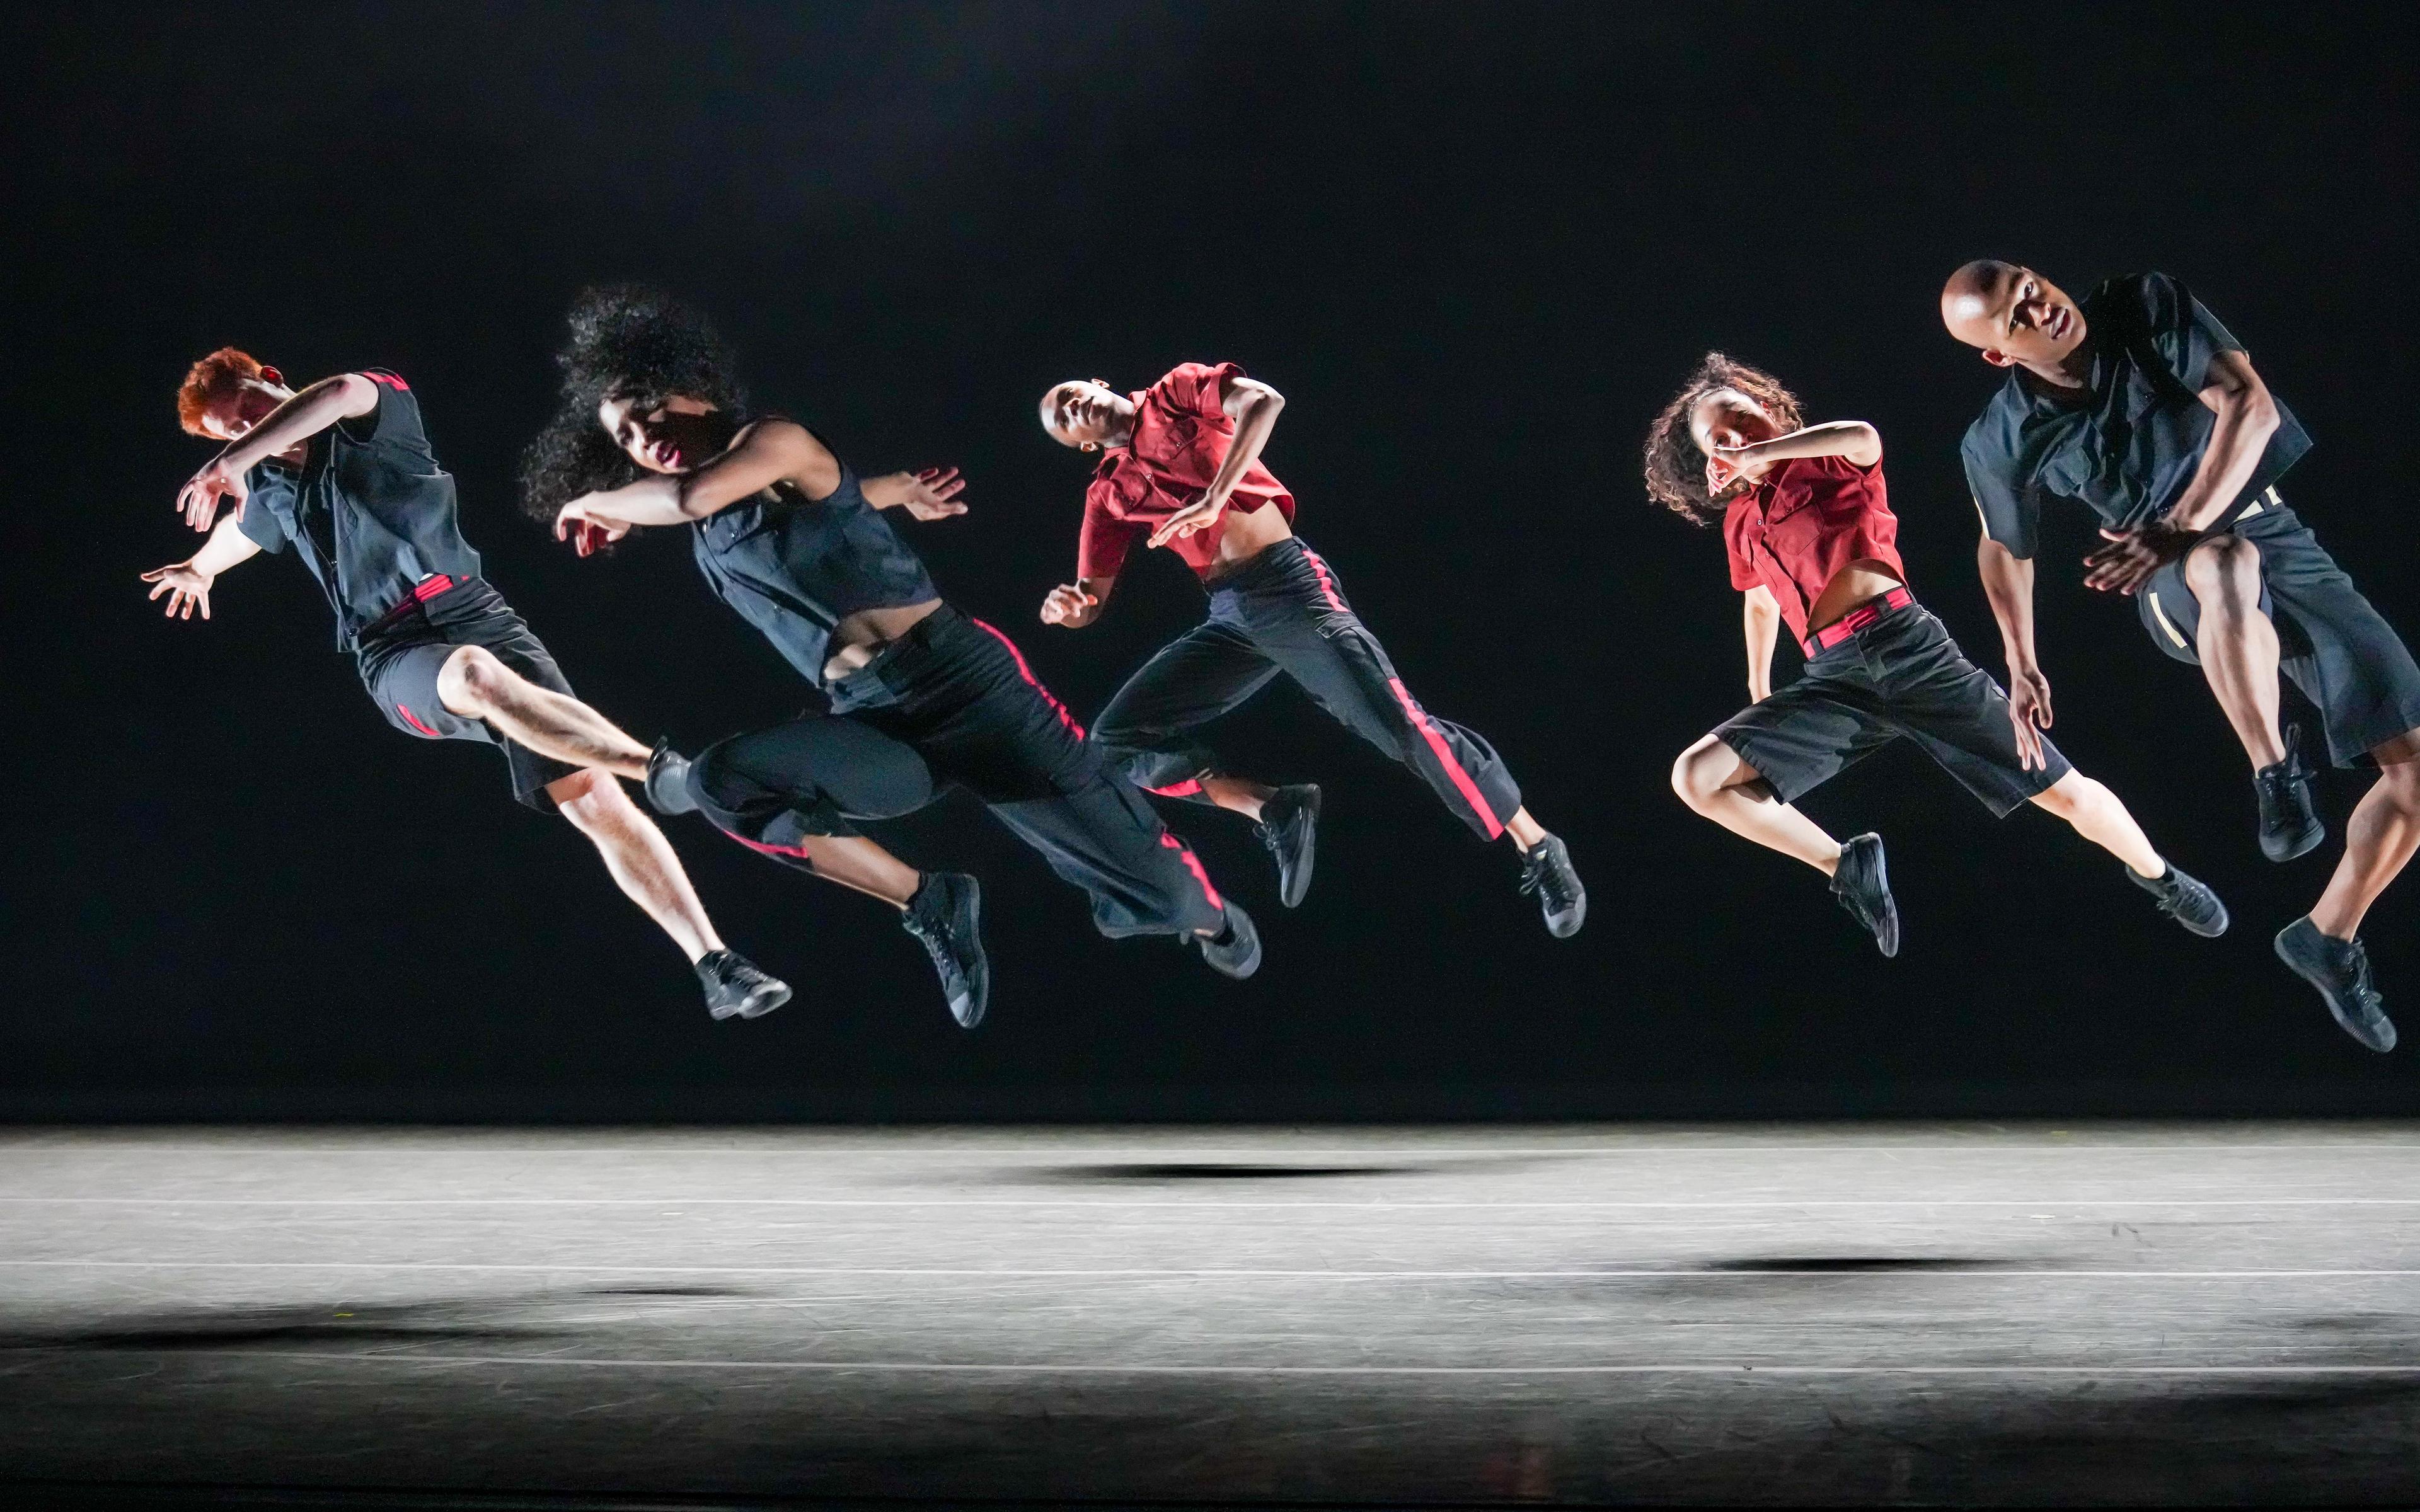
x: 887, y: 674
x: 1273, y: 559
x: 1863, y: 615
x: 436, y: 585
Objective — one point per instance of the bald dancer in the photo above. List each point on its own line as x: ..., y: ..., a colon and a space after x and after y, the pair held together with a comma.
x: 2137, y: 403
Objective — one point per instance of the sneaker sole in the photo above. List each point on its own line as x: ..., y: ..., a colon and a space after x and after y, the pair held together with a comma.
x: 2361, y: 1035
x: 2302, y: 844
x: 1293, y: 897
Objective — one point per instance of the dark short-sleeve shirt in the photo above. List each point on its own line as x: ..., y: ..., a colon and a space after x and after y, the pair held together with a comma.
x: 2126, y: 445
x: 369, y: 511
x: 794, y: 567
x: 1181, y: 435
x: 1804, y: 520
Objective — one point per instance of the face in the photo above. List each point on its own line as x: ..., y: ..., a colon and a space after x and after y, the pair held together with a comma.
x: 674, y: 436
x: 235, y: 412
x: 1728, y: 418
x: 1084, y: 412
x: 2013, y: 315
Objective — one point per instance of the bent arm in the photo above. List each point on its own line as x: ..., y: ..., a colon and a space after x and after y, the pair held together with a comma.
x: 226, y: 547
x: 1253, y: 407
x: 2009, y: 583
x: 2247, y: 417
x: 309, y: 412
x: 761, y: 455
x: 1853, y: 439
x: 1761, y: 618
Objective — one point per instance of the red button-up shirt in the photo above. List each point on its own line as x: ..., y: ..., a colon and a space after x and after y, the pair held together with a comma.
x: 1181, y: 435
x: 1802, y: 522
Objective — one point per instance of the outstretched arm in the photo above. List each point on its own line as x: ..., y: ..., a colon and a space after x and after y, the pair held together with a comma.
x: 187, y: 583
x: 2009, y: 583
x: 1761, y: 617
x: 289, y: 424
x: 2247, y: 417
x: 1253, y: 407
x: 1851, y: 439
x: 761, y: 455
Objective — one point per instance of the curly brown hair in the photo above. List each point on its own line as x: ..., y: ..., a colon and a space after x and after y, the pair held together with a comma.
x: 1676, y: 468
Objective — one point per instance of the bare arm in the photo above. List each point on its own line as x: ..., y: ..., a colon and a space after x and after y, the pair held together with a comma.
x: 2247, y: 417
x: 1253, y: 407
x: 1760, y: 618
x: 187, y: 583
x: 1859, y: 442
x: 2009, y: 583
x: 761, y: 454
x: 282, y: 430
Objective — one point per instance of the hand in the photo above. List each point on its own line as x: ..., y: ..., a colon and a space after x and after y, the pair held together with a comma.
x: 2127, y: 563
x: 1070, y: 605
x: 198, y: 500
x: 2029, y: 713
x: 1195, y: 516
x: 927, y: 493
x: 588, y: 532
x: 186, y: 587
x: 1725, y: 464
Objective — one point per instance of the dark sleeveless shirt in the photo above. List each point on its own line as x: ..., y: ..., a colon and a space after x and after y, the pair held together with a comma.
x: 794, y: 567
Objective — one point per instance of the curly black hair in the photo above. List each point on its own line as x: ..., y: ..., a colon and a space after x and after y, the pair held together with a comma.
x: 1676, y: 469
x: 627, y: 342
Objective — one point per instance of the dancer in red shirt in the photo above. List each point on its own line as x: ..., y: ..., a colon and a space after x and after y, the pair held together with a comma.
x: 1181, y: 469
x: 1813, y: 543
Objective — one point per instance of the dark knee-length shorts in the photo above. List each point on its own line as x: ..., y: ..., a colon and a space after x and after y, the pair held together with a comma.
x: 1900, y: 677
x: 401, y: 657
x: 2337, y: 649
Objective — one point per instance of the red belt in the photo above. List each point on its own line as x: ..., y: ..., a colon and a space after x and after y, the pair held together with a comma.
x: 421, y: 592
x: 1858, y: 618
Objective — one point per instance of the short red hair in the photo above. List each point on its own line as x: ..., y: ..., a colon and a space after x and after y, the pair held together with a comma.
x: 212, y: 380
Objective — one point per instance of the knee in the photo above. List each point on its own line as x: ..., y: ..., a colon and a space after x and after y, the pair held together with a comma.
x: 592, y: 799
x: 2225, y: 572
x: 473, y: 680
x: 1700, y: 772
x: 2067, y: 797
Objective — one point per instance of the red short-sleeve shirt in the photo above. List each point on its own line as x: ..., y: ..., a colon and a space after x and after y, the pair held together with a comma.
x: 1181, y: 435
x: 1804, y: 520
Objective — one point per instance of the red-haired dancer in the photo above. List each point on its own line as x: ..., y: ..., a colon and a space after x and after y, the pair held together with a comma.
x: 342, y: 473
x: 1181, y: 469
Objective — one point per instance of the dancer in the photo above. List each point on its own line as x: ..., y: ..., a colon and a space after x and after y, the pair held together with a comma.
x: 655, y: 431
x: 2138, y: 405
x: 1807, y: 520
x: 1181, y: 467
x: 343, y: 472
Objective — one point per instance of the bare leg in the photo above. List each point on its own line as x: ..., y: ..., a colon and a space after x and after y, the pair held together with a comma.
x: 2380, y: 837
x: 2098, y: 817
x: 635, y: 851
x: 1710, y: 778
x: 1238, y: 795
x: 1524, y: 830
x: 859, y: 864
x: 2237, y: 643
x: 476, y: 686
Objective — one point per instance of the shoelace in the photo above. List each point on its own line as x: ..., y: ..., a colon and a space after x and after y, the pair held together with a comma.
x: 2365, y: 987
x: 1539, y: 874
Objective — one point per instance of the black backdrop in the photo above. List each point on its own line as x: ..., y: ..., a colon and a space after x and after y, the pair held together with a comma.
x: 1477, y: 246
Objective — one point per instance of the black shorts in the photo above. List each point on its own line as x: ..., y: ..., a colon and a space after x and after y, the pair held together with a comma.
x: 2338, y: 650
x: 401, y: 655
x: 1900, y: 676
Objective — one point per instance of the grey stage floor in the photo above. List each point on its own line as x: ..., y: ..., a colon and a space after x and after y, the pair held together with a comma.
x: 2114, y: 1313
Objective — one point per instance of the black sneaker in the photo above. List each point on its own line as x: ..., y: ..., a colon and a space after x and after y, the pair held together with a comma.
x: 1863, y: 886
x: 1234, y: 951
x: 734, y: 988
x: 2290, y: 827
x: 2188, y: 901
x: 2340, y: 970
x: 1289, y: 828
x: 667, y: 783
x: 946, y: 915
x: 1547, y: 870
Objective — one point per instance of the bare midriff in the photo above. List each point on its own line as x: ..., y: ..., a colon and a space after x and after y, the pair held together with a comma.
x: 859, y: 635
x: 1246, y: 536
x: 1850, y: 587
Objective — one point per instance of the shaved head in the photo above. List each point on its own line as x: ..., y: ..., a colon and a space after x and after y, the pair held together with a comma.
x: 2015, y: 317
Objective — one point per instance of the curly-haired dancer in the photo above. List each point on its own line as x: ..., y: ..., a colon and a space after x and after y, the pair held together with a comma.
x: 1813, y: 543
x: 342, y: 471
x: 1181, y: 467
x: 655, y: 431
x: 2135, y: 403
